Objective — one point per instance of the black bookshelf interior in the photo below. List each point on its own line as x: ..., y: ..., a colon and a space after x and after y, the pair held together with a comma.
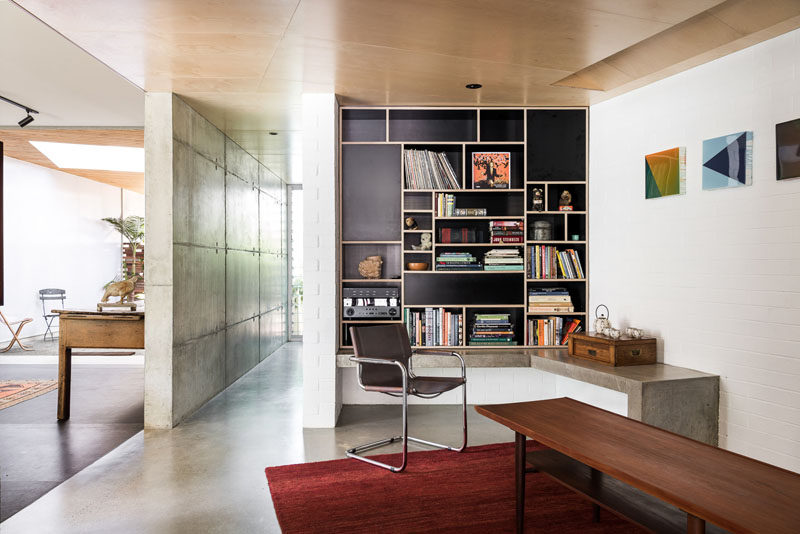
x: 547, y: 149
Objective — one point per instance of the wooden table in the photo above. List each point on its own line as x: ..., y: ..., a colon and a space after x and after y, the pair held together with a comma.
x: 657, y: 479
x: 92, y: 330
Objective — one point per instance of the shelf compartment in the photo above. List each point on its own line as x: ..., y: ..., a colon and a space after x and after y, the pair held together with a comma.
x: 502, y: 125
x: 352, y: 254
x: 517, y: 152
x: 557, y: 226
x: 452, y: 153
x: 369, y: 192
x: 424, y: 221
x: 412, y: 239
x: 499, y: 204
x: 556, y: 145
x: 363, y: 125
x: 577, y: 293
x: 578, y: 192
x: 415, y: 332
x: 576, y: 225
x: 431, y: 125
x: 463, y: 289
x: 516, y: 317
x: 414, y: 200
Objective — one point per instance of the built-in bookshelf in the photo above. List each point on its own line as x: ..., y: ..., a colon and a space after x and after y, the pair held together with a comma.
x: 479, y: 287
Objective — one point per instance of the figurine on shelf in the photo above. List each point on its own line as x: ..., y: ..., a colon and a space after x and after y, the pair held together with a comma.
x: 565, y: 202
x: 370, y: 267
x: 425, y: 242
x: 538, y: 199
x: 411, y: 223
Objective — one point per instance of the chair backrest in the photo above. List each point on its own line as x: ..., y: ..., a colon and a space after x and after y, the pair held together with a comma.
x: 51, y: 293
x: 388, y: 342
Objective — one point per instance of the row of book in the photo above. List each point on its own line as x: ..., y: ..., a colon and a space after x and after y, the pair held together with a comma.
x: 503, y: 259
x: 425, y: 169
x: 551, y: 330
x: 506, y: 232
x: 550, y: 300
x: 434, y: 327
x: 457, y: 261
x: 446, y: 207
x: 547, y: 262
x: 492, y: 329
x: 461, y: 235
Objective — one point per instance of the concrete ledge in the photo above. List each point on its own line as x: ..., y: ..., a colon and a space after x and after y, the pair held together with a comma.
x: 677, y: 399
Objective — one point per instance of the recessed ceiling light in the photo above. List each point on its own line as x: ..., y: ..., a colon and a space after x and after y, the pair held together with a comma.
x: 473, y: 86
x: 273, y: 133
x: 94, y: 157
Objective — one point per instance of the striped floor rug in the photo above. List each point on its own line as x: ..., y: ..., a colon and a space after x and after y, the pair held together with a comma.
x: 15, y: 391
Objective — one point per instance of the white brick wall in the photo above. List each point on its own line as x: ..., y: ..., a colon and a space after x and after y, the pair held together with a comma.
x: 320, y: 400
x: 714, y: 274
x: 497, y: 385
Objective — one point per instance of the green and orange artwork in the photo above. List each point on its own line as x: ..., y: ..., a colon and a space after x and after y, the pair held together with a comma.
x: 665, y: 173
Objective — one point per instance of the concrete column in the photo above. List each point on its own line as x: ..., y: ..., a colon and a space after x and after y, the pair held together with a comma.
x: 321, y: 387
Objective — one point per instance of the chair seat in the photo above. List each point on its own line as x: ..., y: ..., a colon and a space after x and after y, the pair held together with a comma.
x: 423, y: 385
x: 12, y: 322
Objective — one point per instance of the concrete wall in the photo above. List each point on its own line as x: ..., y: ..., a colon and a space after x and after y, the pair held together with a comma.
x: 215, y: 258
x: 54, y: 238
x: 321, y: 388
x: 711, y: 273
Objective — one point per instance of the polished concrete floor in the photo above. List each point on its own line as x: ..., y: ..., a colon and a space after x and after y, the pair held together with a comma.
x: 207, y: 474
x: 37, y: 453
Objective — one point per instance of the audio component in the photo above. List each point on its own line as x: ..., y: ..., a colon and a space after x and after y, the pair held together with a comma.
x: 371, y: 303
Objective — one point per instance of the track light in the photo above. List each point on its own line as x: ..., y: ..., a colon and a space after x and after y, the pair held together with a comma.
x: 27, y: 119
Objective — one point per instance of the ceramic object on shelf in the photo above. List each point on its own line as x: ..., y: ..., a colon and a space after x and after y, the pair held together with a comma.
x: 370, y: 267
x: 634, y: 333
x: 601, y: 321
x: 417, y: 266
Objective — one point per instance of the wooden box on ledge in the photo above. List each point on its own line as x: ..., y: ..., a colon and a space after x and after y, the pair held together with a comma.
x: 616, y: 352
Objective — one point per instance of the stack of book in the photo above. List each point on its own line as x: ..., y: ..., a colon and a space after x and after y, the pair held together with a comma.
x: 506, y: 231
x: 434, y: 327
x: 550, y: 300
x: 551, y: 331
x: 548, y: 262
x: 492, y: 329
x: 503, y: 259
x: 457, y: 261
x: 429, y: 170
x: 461, y: 235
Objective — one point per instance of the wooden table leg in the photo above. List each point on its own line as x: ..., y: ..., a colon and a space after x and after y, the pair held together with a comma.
x: 64, y: 380
x: 695, y: 525
x: 595, y: 477
x: 519, y: 457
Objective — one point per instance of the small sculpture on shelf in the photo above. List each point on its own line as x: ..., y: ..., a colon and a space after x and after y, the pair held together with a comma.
x: 565, y: 201
x: 538, y: 199
x: 425, y: 242
x: 411, y: 223
x: 123, y: 289
x: 370, y: 267
x: 634, y: 333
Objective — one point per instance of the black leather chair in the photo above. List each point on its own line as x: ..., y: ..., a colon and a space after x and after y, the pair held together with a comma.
x: 384, y: 357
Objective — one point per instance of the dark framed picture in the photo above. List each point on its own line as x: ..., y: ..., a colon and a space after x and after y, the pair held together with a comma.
x: 787, y: 150
x: 491, y: 170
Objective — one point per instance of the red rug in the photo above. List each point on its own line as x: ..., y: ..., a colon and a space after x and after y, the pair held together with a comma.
x: 15, y: 391
x: 440, y: 491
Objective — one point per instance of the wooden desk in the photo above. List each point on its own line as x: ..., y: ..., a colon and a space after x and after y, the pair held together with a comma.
x: 92, y: 330
x: 660, y: 480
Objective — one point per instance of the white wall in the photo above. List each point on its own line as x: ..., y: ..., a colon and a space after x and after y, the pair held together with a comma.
x: 321, y: 379
x: 714, y: 274
x: 54, y: 238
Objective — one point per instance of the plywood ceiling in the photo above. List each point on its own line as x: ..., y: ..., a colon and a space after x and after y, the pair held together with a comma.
x: 245, y: 63
x: 16, y: 144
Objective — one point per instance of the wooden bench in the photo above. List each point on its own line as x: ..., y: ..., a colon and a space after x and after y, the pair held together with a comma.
x: 654, y: 478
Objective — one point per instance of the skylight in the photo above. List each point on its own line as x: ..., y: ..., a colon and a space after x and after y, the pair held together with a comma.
x: 94, y: 157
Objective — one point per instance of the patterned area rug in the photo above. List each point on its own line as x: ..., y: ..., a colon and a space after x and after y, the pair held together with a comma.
x: 15, y: 391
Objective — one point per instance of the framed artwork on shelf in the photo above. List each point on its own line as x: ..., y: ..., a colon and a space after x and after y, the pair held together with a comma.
x: 728, y: 161
x: 665, y: 173
x: 491, y: 170
x: 787, y: 149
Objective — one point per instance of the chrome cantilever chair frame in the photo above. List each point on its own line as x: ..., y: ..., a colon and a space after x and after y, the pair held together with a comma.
x: 355, y: 452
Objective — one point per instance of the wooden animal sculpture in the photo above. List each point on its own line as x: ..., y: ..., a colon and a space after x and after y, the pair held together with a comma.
x: 121, y: 289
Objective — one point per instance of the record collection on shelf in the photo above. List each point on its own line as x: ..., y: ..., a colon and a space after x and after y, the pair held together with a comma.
x: 426, y: 169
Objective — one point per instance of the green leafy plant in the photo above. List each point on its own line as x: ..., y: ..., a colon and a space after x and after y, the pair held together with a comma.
x: 132, y: 230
